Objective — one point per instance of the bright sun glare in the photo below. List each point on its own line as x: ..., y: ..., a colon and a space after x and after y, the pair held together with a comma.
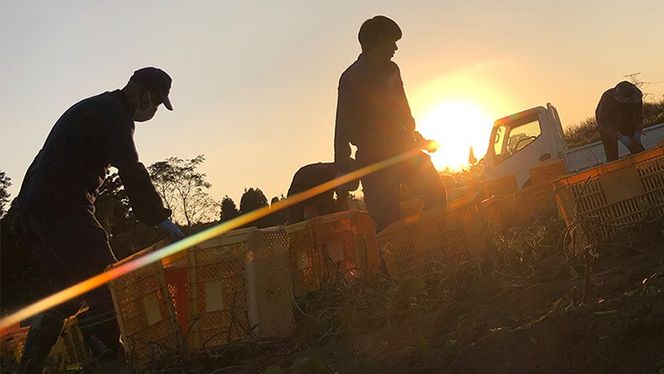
x: 456, y: 126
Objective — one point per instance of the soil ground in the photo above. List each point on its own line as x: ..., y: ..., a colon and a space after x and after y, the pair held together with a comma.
x: 527, y: 307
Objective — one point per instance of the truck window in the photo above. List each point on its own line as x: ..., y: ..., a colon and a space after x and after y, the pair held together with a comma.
x: 512, y: 137
x: 522, y: 135
x: 500, y: 140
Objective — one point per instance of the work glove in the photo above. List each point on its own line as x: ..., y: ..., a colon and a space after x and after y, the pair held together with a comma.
x: 626, y: 141
x: 637, y: 136
x: 171, y: 229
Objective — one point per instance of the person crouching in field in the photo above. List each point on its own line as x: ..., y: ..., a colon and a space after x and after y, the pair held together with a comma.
x: 310, y: 176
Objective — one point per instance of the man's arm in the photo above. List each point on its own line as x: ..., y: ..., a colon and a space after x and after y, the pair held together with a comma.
x: 636, y: 116
x: 144, y: 199
x: 606, y: 117
x: 345, y: 121
x: 402, y: 106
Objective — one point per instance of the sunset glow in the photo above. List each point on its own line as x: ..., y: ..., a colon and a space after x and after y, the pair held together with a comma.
x: 456, y: 126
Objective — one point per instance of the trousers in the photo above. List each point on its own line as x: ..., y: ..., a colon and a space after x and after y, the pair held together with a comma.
x: 69, y: 248
x: 611, y: 146
x: 382, y: 189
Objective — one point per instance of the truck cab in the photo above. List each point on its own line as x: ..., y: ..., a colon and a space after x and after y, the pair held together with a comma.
x: 526, y: 140
x: 523, y: 140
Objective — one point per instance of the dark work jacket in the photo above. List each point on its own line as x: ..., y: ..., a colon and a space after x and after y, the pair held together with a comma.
x: 89, y: 137
x: 615, y: 118
x: 312, y: 175
x: 308, y: 177
x: 372, y: 112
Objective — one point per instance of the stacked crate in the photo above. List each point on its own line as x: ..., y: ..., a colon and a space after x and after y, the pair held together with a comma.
x: 145, y: 309
x: 600, y: 201
x: 441, y: 237
x: 240, y: 288
x: 233, y: 287
x: 331, y: 248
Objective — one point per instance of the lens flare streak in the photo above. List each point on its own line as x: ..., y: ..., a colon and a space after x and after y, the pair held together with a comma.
x: 189, y: 242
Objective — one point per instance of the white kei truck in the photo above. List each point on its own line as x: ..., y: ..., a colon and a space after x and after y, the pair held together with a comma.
x: 522, y: 141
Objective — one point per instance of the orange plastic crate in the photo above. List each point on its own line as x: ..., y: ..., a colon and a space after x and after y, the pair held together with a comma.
x: 68, y: 353
x: 493, y: 214
x: 500, y: 187
x: 440, y: 237
x: 614, y: 194
x: 240, y: 288
x: 13, y: 342
x: 539, y: 198
x: 333, y: 247
x: 145, y: 309
x: 411, y: 209
x: 233, y: 287
x: 621, y: 191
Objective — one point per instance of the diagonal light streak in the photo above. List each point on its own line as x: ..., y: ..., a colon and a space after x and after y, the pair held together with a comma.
x: 152, y: 257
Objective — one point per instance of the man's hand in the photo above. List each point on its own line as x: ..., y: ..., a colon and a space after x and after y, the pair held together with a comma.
x: 430, y: 146
x: 171, y: 229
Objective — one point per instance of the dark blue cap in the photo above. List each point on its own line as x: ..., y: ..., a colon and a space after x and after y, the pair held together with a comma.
x: 154, y: 79
x: 626, y: 92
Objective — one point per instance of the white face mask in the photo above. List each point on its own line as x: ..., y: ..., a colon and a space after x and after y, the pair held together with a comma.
x: 145, y: 114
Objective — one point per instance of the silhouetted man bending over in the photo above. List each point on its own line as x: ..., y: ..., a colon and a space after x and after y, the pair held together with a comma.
x: 373, y: 114
x: 619, y: 117
x: 310, y: 176
x: 56, y: 206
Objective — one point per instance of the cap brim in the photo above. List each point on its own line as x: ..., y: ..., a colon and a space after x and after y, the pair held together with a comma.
x: 167, y: 102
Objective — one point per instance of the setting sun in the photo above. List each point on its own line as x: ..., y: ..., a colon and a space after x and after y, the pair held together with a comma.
x: 456, y: 126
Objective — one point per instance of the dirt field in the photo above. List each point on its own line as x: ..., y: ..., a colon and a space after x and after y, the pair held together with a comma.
x: 528, y: 308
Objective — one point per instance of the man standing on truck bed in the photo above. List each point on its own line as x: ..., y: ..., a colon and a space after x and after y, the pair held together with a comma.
x: 373, y: 114
x: 619, y: 117
x: 55, y: 207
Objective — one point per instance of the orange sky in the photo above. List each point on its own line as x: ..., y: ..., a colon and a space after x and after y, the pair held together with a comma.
x: 255, y: 85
